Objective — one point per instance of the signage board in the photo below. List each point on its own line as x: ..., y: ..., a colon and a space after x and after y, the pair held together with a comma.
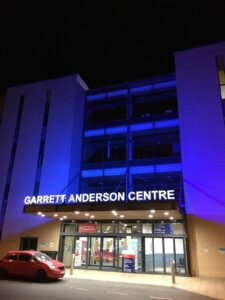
x: 133, y: 196
x: 163, y: 228
x: 77, y: 261
x: 87, y: 228
x: 128, y: 263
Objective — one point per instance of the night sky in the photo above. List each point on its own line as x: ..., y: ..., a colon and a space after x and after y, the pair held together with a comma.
x: 106, y: 42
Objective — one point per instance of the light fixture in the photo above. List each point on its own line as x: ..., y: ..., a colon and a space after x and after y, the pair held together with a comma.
x: 86, y: 214
x: 39, y: 213
x: 113, y: 212
x: 171, y: 218
x: 152, y: 211
x: 64, y: 217
x: 42, y: 215
x: 122, y: 216
x: 55, y: 215
x: 166, y: 213
x: 92, y: 217
x: 138, y: 221
x: 61, y: 219
x: 150, y: 216
x: 77, y: 212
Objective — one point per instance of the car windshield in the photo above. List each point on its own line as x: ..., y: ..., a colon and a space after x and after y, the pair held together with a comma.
x: 42, y: 256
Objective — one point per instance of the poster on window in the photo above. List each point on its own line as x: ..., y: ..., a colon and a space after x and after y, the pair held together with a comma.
x: 77, y: 261
x: 133, y: 248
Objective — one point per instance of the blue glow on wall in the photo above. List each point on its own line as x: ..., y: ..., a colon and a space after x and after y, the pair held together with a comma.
x: 95, y: 132
x: 133, y: 127
x: 141, y: 126
x: 117, y: 93
x: 96, y: 97
x: 117, y: 129
x: 92, y: 173
x: 167, y: 123
x: 100, y: 172
x: 154, y: 86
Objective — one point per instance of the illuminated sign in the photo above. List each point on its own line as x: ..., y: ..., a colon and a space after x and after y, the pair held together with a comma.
x: 100, y: 197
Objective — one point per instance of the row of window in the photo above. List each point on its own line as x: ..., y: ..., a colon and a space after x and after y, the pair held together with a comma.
x: 128, y: 228
x: 120, y: 109
x: 155, y: 181
x: 119, y: 148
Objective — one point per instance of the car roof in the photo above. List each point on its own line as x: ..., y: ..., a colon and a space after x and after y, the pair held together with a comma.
x: 21, y: 252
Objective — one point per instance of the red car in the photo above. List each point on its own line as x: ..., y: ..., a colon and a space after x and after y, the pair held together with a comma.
x: 31, y: 264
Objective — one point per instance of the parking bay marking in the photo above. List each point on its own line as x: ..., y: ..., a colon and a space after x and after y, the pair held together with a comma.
x: 81, y: 289
x: 118, y: 293
x: 160, y: 298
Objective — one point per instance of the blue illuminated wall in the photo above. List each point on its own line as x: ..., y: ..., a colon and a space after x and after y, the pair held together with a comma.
x: 202, y: 131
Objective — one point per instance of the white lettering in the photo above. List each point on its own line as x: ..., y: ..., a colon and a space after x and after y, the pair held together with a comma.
x: 162, y: 194
x: 170, y: 195
x: 131, y: 196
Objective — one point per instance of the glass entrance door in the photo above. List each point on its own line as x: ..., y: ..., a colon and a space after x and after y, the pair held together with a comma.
x: 98, y: 252
x: 94, y: 251
x: 108, y: 252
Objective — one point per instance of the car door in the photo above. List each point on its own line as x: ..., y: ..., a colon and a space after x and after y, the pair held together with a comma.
x: 10, y: 263
x: 26, y: 265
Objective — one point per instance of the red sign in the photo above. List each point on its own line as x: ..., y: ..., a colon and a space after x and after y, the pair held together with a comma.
x: 87, y: 228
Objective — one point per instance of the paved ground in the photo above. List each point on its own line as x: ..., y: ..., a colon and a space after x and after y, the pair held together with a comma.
x: 86, y: 289
x: 211, y: 287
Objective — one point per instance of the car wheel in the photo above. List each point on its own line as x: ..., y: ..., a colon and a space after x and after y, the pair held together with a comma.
x: 41, y: 276
x: 3, y: 273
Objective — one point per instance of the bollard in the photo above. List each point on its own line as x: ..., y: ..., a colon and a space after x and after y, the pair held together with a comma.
x: 72, y: 263
x: 172, y: 266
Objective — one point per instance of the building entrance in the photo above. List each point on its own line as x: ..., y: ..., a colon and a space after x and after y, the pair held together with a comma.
x: 152, y: 247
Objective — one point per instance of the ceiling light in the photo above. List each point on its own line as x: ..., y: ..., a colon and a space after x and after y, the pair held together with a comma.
x: 42, y: 215
x: 152, y: 211
x: 113, y: 211
x: 77, y: 212
x: 55, y: 215
x: 171, y: 218
x: 166, y: 213
x: 150, y: 216
x: 64, y: 217
x: 86, y: 215
x: 39, y: 213
x: 61, y: 219
x: 92, y: 217
x: 121, y: 216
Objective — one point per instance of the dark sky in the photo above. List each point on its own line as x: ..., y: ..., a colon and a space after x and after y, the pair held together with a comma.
x: 106, y: 42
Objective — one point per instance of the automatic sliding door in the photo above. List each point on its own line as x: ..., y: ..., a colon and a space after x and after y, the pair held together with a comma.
x: 158, y: 255
x: 94, y: 251
x: 169, y: 253
x: 108, y: 252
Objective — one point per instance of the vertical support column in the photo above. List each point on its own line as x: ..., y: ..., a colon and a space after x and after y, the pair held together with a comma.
x: 128, y: 144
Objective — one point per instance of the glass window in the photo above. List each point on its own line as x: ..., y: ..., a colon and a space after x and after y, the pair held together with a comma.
x: 178, y: 228
x: 25, y: 257
x: 129, y: 228
x: 180, y: 259
x: 147, y: 228
x: 148, y: 255
x: 101, y: 111
x: 11, y: 257
x: 108, y: 228
x: 69, y: 228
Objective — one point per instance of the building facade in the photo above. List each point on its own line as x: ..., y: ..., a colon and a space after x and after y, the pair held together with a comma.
x: 126, y: 177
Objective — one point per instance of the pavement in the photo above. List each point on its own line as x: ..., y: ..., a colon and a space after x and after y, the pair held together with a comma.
x: 211, y: 287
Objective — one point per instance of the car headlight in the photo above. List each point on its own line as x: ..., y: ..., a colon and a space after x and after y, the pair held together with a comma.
x: 51, y: 266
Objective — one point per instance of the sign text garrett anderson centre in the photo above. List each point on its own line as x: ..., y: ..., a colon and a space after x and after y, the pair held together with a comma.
x: 100, y: 197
